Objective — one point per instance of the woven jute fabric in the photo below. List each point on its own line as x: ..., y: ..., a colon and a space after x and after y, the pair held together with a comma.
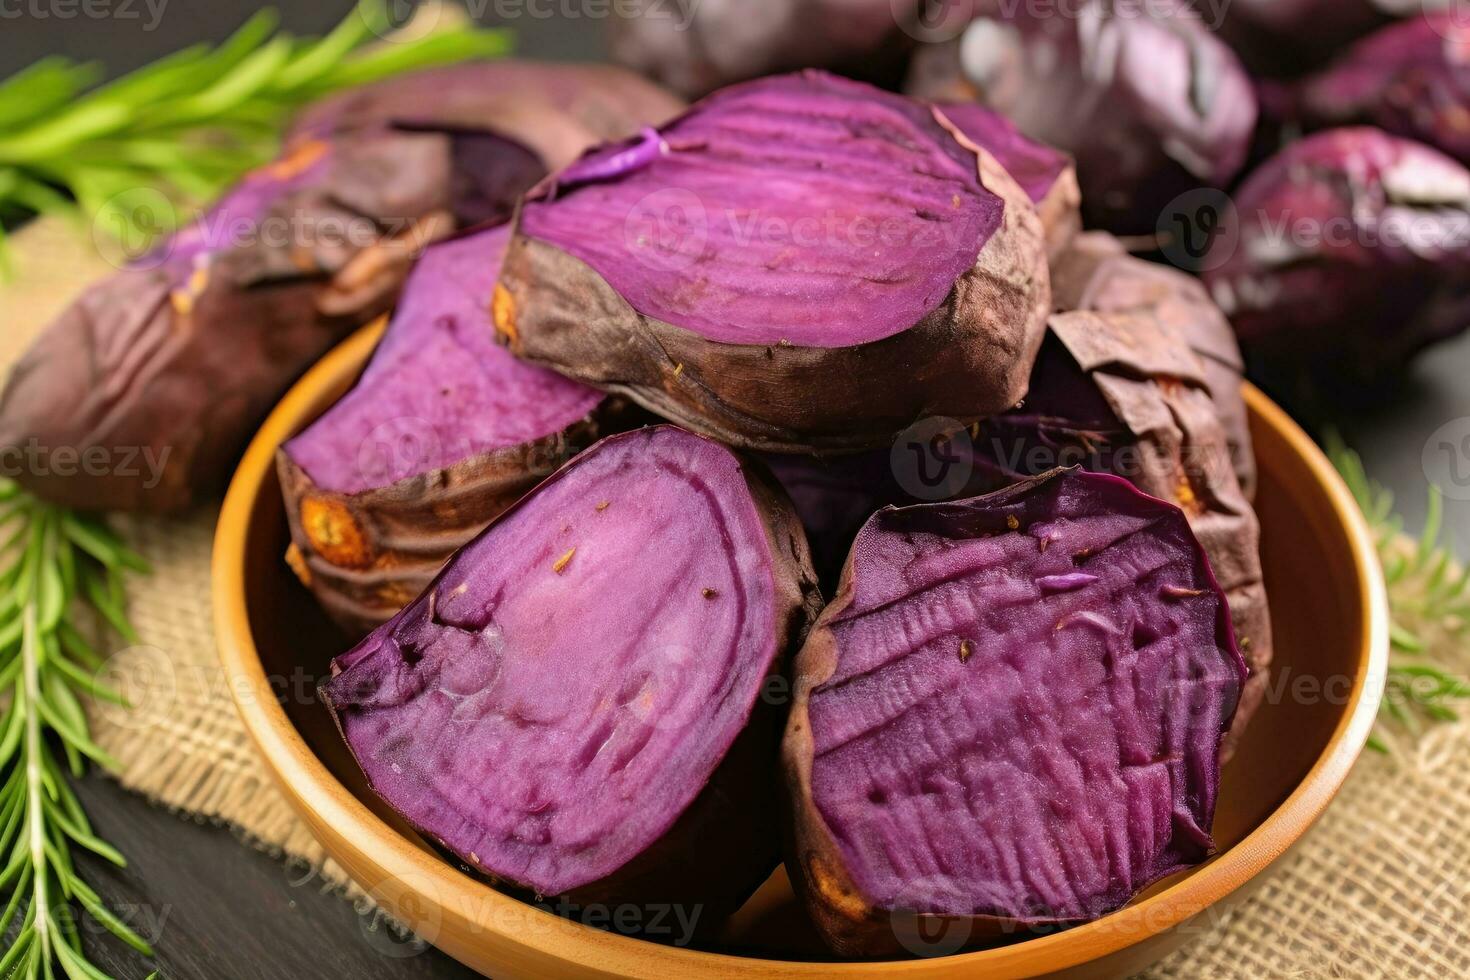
x: 1381, y: 887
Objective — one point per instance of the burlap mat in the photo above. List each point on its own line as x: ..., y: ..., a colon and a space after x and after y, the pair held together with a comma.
x: 1380, y: 888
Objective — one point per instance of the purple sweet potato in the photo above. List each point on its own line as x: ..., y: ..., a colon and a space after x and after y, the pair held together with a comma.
x: 1350, y: 253
x: 1124, y: 394
x: 1283, y: 37
x: 444, y: 431
x: 758, y: 268
x: 556, y: 110
x: 1098, y: 274
x: 574, y: 706
x: 173, y: 361
x: 1145, y: 98
x: 695, y: 48
x: 1010, y: 716
x: 1411, y: 79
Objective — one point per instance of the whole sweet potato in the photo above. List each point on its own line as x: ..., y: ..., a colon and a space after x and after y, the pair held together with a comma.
x: 1143, y: 96
x: 154, y: 377
x: 798, y: 263
x: 1411, y: 79
x: 697, y: 46
x: 1346, y: 254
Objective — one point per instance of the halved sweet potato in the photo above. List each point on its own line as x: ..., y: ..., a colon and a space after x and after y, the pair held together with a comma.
x: 574, y: 707
x: 1010, y: 716
x: 798, y: 263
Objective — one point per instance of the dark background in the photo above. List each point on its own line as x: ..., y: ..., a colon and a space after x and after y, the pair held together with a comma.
x: 230, y: 912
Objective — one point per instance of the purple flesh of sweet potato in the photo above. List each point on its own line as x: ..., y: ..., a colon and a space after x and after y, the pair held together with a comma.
x: 1011, y: 714
x: 573, y: 707
x: 444, y: 430
x: 1352, y: 253
x: 1411, y: 79
x: 1145, y: 98
x: 756, y: 268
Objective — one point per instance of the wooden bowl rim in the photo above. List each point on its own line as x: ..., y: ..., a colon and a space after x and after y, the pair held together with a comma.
x: 362, y: 840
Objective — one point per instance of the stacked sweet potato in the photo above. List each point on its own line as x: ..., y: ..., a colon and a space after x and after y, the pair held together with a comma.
x: 586, y: 634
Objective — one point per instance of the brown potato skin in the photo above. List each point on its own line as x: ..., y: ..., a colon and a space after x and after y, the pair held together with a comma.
x: 141, y: 361
x: 142, y: 364
x: 1097, y: 273
x: 558, y: 110
x: 967, y: 359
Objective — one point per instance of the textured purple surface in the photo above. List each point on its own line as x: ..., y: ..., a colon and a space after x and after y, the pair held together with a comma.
x: 439, y: 389
x: 1028, y: 701
x: 1412, y: 79
x: 1352, y: 244
x: 805, y: 209
x: 569, y: 683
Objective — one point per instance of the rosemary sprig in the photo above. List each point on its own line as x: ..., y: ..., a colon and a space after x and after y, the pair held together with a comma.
x: 52, y: 564
x: 1429, y: 601
x: 190, y: 124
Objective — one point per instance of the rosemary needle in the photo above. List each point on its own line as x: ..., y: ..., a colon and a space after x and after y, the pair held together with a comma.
x: 189, y: 125
x: 1429, y: 600
x: 55, y: 562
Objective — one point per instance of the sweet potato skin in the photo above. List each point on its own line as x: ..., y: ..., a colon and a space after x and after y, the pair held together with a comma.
x: 968, y: 358
x: 1096, y: 273
x: 179, y: 365
x: 175, y: 364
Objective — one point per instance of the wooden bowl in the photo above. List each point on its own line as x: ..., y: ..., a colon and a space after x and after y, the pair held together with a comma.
x: 1331, y: 625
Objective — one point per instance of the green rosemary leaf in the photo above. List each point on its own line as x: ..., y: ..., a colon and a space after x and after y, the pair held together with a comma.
x: 1430, y: 621
x: 114, y: 925
x: 41, y: 820
x: 194, y: 122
